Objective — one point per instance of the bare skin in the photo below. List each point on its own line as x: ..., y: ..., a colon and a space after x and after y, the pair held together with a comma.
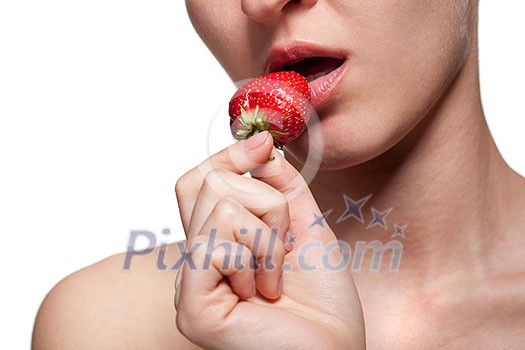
x: 416, y: 139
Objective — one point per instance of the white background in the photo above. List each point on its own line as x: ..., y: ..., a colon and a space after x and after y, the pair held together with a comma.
x: 104, y: 104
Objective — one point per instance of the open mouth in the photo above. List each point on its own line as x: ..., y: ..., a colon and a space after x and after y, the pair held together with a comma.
x: 323, y: 67
x: 314, y: 67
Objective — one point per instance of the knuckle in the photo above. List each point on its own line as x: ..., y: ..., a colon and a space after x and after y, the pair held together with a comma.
x: 281, y: 198
x: 278, y: 203
x: 226, y: 210
x: 282, y: 204
x: 275, y: 199
x: 178, y: 186
x: 213, y: 178
x: 182, y: 185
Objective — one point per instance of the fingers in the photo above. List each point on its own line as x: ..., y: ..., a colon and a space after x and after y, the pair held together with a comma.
x: 230, y: 221
x: 205, y: 281
x: 229, y: 233
x: 214, y: 265
x: 239, y: 158
x: 262, y: 200
x: 204, y: 300
x: 222, y: 270
x: 283, y: 177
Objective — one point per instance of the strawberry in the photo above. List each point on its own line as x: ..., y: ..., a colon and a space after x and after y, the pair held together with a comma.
x: 278, y: 102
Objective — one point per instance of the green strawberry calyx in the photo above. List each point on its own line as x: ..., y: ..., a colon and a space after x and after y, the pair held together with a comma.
x: 253, y: 124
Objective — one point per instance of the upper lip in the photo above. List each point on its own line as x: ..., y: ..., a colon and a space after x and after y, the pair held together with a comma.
x: 283, y: 55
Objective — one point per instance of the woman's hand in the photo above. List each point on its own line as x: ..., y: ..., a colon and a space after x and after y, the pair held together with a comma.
x: 309, y: 305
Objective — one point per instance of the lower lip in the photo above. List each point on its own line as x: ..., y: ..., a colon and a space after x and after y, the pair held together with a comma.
x: 324, y: 87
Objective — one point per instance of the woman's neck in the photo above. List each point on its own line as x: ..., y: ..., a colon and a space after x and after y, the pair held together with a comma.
x: 445, y: 181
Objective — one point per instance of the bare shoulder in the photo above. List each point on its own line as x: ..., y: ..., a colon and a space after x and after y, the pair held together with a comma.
x: 106, y: 306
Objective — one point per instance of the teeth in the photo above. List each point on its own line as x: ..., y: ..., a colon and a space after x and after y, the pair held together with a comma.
x: 294, y: 62
x: 312, y: 77
x: 330, y: 70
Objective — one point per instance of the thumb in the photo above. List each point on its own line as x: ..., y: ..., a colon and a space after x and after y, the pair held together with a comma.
x: 304, y: 210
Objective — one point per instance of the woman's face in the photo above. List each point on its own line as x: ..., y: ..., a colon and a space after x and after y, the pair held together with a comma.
x: 395, y: 58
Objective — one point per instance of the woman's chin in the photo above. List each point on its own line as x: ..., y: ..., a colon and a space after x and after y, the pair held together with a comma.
x: 337, y: 149
x: 323, y: 154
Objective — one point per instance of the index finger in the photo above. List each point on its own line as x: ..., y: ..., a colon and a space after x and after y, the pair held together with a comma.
x: 238, y: 158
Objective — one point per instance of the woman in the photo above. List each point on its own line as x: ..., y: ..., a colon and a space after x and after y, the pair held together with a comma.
x: 407, y: 158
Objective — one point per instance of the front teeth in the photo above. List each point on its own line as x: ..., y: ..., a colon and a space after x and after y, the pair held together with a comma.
x: 312, y: 77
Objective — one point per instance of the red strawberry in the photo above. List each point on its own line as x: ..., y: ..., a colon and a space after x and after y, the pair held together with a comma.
x: 278, y: 102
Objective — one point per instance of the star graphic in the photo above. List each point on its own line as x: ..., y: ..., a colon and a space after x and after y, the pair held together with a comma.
x: 290, y: 239
x: 379, y: 218
x: 400, y: 231
x: 318, y: 219
x: 353, y: 208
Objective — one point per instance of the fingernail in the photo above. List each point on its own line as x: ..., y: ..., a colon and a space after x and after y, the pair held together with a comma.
x: 280, y: 286
x: 255, y: 141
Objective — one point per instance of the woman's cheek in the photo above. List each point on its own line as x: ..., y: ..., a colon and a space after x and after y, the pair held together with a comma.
x: 224, y: 29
